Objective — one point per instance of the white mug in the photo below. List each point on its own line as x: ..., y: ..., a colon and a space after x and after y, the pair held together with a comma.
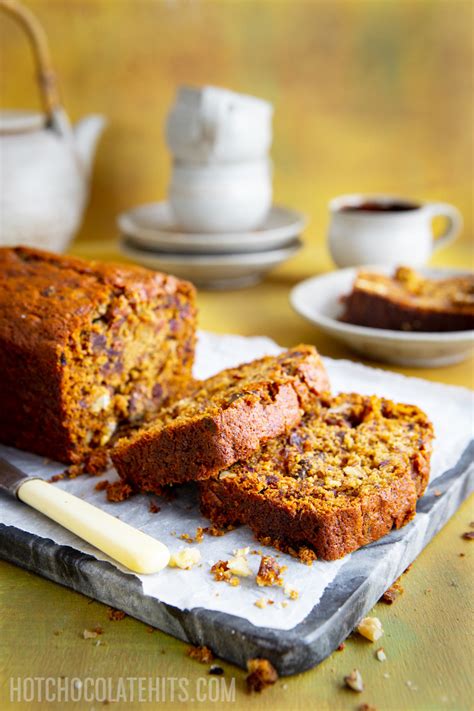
x: 382, y: 229
x: 229, y: 197
x: 213, y: 125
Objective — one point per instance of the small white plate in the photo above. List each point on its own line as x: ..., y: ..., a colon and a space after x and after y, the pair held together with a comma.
x: 212, y: 271
x: 153, y: 225
x: 319, y: 300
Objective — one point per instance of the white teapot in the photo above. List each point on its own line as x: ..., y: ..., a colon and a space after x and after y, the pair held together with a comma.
x: 45, y: 165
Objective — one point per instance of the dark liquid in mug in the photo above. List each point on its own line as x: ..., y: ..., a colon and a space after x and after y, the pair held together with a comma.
x: 373, y: 206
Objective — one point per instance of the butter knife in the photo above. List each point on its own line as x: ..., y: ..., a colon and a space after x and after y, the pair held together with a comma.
x: 127, y: 545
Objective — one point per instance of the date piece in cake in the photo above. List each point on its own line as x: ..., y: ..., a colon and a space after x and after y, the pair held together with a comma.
x: 225, y: 419
x: 345, y: 476
x: 86, y: 346
x: 409, y: 302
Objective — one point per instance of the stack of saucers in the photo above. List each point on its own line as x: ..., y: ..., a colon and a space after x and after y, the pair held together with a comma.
x: 218, y: 227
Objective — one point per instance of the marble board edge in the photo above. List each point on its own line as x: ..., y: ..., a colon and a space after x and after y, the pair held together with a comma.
x: 354, y: 591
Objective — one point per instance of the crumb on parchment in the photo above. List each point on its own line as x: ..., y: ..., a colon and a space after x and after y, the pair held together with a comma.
x: 220, y: 571
x: 119, y: 491
x: 269, y: 572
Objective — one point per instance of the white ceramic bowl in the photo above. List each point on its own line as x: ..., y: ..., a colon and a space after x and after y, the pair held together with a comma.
x: 319, y: 300
x: 212, y: 271
x: 221, y: 198
x: 210, y: 124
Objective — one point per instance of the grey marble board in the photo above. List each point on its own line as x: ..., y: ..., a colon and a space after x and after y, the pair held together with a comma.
x: 355, y: 589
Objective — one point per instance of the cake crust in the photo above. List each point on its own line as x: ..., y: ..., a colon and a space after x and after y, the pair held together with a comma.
x: 85, y: 346
x: 351, y: 471
x: 226, y: 418
x: 409, y: 302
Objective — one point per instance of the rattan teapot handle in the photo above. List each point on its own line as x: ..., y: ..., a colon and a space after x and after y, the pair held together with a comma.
x: 46, y: 76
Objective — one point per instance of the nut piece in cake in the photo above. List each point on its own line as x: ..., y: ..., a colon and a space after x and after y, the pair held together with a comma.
x: 86, y: 347
x: 347, y: 474
x: 224, y: 419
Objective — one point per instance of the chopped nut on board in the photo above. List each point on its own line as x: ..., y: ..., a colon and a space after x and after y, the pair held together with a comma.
x: 239, y: 566
x: 370, y: 628
x: 185, y: 558
x: 354, y: 681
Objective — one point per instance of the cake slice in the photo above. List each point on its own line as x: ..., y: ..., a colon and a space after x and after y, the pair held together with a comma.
x: 86, y: 346
x: 348, y: 473
x: 409, y: 302
x: 226, y: 418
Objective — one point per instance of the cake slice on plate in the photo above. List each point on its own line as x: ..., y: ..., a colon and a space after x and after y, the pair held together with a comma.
x: 347, y: 474
x: 409, y: 302
x: 226, y: 418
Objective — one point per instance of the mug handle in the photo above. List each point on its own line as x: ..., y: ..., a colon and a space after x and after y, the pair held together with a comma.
x: 455, y: 222
x: 211, y: 119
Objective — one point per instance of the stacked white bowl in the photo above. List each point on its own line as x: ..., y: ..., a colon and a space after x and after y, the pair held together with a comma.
x: 222, y: 174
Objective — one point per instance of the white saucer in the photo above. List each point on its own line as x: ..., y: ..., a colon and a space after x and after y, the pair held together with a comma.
x: 153, y: 225
x: 212, y: 271
x: 319, y: 300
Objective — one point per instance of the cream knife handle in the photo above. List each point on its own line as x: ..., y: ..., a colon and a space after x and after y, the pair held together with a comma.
x: 129, y: 546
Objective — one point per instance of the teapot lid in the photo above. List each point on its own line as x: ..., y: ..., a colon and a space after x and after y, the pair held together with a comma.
x: 21, y: 120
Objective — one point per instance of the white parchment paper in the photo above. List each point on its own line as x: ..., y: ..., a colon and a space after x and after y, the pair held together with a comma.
x: 450, y: 408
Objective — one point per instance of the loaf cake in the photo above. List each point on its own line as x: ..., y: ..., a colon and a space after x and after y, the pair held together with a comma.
x: 409, y: 302
x: 86, y: 346
x: 224, y: 419
x: 348, y: 473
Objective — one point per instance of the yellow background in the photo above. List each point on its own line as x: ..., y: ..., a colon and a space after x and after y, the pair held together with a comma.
x: 369, y: 95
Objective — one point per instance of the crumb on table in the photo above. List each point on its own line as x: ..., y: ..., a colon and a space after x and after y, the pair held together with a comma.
x: 261, y: 673
x: 115, y: 615
x: 201, y: 654
x: 354, y: 681
x: 392, y: 593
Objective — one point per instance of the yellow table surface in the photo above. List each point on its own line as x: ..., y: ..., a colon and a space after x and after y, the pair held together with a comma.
x: 428, y: 630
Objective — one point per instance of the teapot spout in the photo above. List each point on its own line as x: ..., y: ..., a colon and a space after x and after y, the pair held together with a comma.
x: 87, y: 132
